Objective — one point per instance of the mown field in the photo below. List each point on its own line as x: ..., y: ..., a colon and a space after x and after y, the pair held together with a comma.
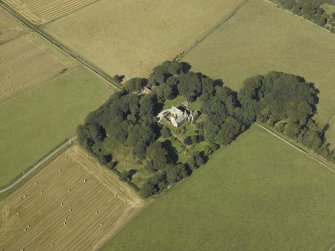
x: 72, y: 204
x: 27, y: 62
x: 41, y: 11
x: 120, y: 39
x: 9, y: 27
x: 35, y: 122
x: 260, y: 38
x: 256, y: 194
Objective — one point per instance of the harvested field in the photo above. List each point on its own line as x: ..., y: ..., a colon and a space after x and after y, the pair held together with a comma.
x: 72, y: 204
x: 120, y: 39
x: 42, y: 11
x: 34, y: 123
x: 9, y: 27
x: 27, y: 62
x: 272, y: 39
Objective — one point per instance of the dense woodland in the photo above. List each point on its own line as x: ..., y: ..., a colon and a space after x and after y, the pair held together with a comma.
x: 283, y: 101
x: 312, y: 10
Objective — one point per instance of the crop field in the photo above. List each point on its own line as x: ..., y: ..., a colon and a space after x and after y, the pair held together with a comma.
x: 35, y: 122
x: 272, y: 39
x: 42, y: 11
x: 72, y: 204
x: 132, y: 42
x: 9, y: 27
x: 27, y: 62
x: 256, y: 194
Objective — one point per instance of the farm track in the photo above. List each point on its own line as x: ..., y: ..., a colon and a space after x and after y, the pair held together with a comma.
x: 60, y: 46
x: 210, y: 31
x: 39, y: 164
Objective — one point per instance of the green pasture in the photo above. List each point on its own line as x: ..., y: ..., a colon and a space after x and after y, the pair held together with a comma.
x: 256, y: 194
x: 260, y: 38
x: 34, y: 123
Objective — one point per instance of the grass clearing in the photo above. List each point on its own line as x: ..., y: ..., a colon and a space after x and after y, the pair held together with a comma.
x: 33, y: 123
x: 132, y: 42
x: 76, y: 208
x: 43, y: 11
x: 272, y: 39
x: 27, y: 62
x: 256, y: 194
x: 9, y: 27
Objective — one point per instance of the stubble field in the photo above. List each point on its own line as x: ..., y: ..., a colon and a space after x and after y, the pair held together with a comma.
x: 72, y: 204
x: 27, y: 62
x: 130, y: 37
x: 35, y: 122
x: 41, y: 11
x: 9, y: 27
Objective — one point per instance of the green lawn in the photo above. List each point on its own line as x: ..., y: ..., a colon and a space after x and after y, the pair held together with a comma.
x: 37, y: 121
x: 260, y: 38
x: 256, y: 194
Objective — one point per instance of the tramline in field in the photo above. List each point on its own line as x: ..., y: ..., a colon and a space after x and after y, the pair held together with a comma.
x: 9, y: 27
x: 72, y: 204
x: 41, y: 11
x: 27, y: 62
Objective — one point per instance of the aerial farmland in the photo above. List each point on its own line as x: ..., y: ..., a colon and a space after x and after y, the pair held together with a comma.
x: 28, y: 62
x: 40, y: 12
x: 9, y: 27
x: 72, y: 204
x: 167, y: 125
x: 136, y: 41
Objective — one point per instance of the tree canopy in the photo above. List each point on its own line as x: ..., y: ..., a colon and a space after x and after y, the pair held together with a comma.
x: 128, y: 120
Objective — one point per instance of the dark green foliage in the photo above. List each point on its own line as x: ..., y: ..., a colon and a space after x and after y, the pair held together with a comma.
x: 198, y: 159
x: 188, y: 140
x: 167, y: 69
x: 127, y: 175
x: 311, y: 10
x: 283, y: 101
x: 159, y: 155
x: 279, y: 96
x: 165, y: 132
x: 190, y: 85
x: 118, y: 78
x: 135, y: 84
x: 175, y: 173
x: 287, y: 103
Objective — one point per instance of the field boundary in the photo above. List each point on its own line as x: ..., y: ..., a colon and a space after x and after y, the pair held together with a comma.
x: 72, y: 70
x: 40, y: 163
x: 210, y: 31
x: 290, y: 12
x: 89, y: 65
x: 69, y: 13
x: 301, y: 150
x: 13, y: 38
